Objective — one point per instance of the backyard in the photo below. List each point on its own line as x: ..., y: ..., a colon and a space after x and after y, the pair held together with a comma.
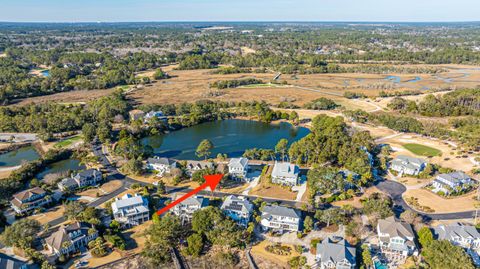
x: 422, y: 150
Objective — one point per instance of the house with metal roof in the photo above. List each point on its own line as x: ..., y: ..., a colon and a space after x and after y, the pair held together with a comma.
x: 396, y: 237
x: 29, y: 200
x: 408, y: 165
x: 280, y: 218
x: 71, y: 238
x: 9, y: 262
x: 131, y: 210
x: 463, y: 235
x: 238, y: 208
x: 89, y: 177
x: 285, y: 174
x: 238, y: 168
x: 452, y: 182
x: 333, y: 253
x: 186, y: 208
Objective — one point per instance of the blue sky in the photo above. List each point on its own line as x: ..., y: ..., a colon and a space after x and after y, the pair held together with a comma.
x: 238, y: 10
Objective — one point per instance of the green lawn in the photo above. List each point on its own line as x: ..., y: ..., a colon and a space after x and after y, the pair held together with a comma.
x: 68, y: 142
x: 422, y: 150
x: 259, y: 86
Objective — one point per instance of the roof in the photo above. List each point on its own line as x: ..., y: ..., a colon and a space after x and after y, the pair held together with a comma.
x: 164, y: 161
x: 408, y: 162
x: 69, y: 182
x: 128, y: 201
x: 136, y: 111
x: 276, y: 210
x: 237, y: 203
x: 87, y: 173
x: 8, y: 262
x: 152, y: 114
x: 330, y: 250
x: 455, y: 177
x: 28, y: 193
x: 395, y: 228
x: 195, y: 165
x: 285, y: 170
x: 242, y: 162
x: 449, y: 232
x: 194, y: 201
x: 57, y: 238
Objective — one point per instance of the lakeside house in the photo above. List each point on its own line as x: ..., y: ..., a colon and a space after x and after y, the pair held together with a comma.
x: 71, y: 238
x: 285, y: 174
x: 186, y: 208
x: 82, y: 179
x: 335, y: 254
x: 451, y: 182
x: 280, y: 218
x: 396, y: 238
x: 238, y: 208
x: 193, y: 166
x: 29, y: 200
x: 238, y: 168
x: 162, y: 165
x: 408, y: 165
x: 154, y: 114
x: 463, y: 235
x: 136, y: 114
x: 131, y: 210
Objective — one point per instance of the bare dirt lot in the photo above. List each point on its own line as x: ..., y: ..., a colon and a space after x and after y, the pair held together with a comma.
x: 440, y: 204
x: 66, y: 97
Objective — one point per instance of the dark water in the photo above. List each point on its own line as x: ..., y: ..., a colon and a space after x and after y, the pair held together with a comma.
x: 61, y: 166
x: 17, y: 157
x: 232, y: 137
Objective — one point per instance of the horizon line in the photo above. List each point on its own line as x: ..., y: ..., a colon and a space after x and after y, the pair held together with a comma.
x: 240, y: 21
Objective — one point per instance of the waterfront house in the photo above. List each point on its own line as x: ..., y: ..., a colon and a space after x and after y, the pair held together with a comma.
x: 408, y: 165
x: 193, y: 166
x: 285, y: 174
x: 154, y: 114
x: 162, y: 165
x: 463, y: 235
x: 90, y: 177
x: 333, y: 253
x: 238, y: 168
x: 70, y: 238
x: 186, y: 208
x: 29, y: 200
x: 280, y: 218
x: 396, y: 238
x: 238, y: 208
x: 131, y: 210
x: 136, y: 114
x: 452, y: 182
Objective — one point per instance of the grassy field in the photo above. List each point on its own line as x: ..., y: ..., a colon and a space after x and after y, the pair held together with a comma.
x: 422, y: 150
x: 67, y: 142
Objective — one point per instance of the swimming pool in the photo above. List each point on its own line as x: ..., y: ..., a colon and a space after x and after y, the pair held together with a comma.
x: 379, y: 265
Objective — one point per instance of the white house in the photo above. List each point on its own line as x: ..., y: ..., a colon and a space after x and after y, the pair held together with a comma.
x: 71, y: 238
x: 82, y: 179
x: 131, y: 210
x: 29, y: 200
x: 408, y: 165
x: 396, y: 237
x: 285, y: 174
x: 154, y: 114
x: 452, y: 182
x: 162, y: 165
x: 238, y: 167
x: 238, y: 208
x: 186, y: 208
x: 465, y: 236
x: 280, y: 218
x: 335, y: 254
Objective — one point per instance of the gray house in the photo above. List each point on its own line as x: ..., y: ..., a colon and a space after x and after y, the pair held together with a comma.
x: 29, y: 200
x: 186, y: 208
x: 238, y: 208
x: 71, y: 238
x: 193, y: 166
x: 280, y: 218
x: 162, y: 165
x: 452, y: 182
x: 396, y: 238
x: 285, y: 174
x: 131, y: 210
x: 465, y: 236
x: 238, y: 168
x: 335, y: 254
x: 89, y: 177
x: 408, y: 165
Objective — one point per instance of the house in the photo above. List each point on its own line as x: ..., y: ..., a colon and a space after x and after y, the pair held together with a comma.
x: 136, y: 114
x: 408, y: 165
x: 186, y: 208
x: 131, y: 210
x: 280, y: 218
x: 9, y: 262
x: 452, y: 182
x: 82, y: 179
x: 335, y: 254
x: 71, y: 238
x: 29, y: 200
x: 162, y: 165
x: 238, y: 208
x: 285, y: 174
x: 154, y: 114
x: 193, y: 166
x: 465, y: 236
x: 238, y: 167
x: 396, y: 238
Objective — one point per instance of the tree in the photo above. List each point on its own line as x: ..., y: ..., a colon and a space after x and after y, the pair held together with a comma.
x: 89, y: 132
x: 411, y: 217
x: 97, y: 247
x: 367, y: 257
x: 444, y: 255
x: 195, y: 245
x: 330, y: 215
x: 425, y: 236
x: 204, y: 148
x: 21, y: 233
x: 46, y: 265
x: 133, y: 166
x: 73, y: 210
x: 159, y: 74
x: 281, y: 147
x: 308, y: 224
x: 161, y: 190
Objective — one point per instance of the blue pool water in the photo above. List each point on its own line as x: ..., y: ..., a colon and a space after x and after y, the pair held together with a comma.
x: 45, y: 73
x: 379, y: 265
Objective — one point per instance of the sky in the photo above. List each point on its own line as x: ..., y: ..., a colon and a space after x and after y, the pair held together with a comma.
x: 238, y: 10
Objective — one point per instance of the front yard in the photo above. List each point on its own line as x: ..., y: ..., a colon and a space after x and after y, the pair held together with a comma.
x: 105, y: 188
x: 440, y: 204
x: 260, y: 252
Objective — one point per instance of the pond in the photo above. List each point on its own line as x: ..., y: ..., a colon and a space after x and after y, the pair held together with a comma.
x: 60, y: 167
x: 18, y: 156
x: 231, y: 137
x: 45, y: 73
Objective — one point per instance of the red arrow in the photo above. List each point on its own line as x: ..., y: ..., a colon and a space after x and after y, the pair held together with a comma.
x: 210, y: 181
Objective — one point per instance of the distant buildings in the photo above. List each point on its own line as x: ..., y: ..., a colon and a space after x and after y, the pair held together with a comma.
x: 186, y: 208
x: 335, y: 254
x: 280, y: 218
x: 29, y: 200
x: 238, y: 208
x: 285, y: 174
x: 238, y: 168
x: 396, y: 238
x: 452, y: 182
x: 408, y: 165
x: 71, y: 238
x: 131, y: 210
x: 82, y: 179
x: 162, y: 165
